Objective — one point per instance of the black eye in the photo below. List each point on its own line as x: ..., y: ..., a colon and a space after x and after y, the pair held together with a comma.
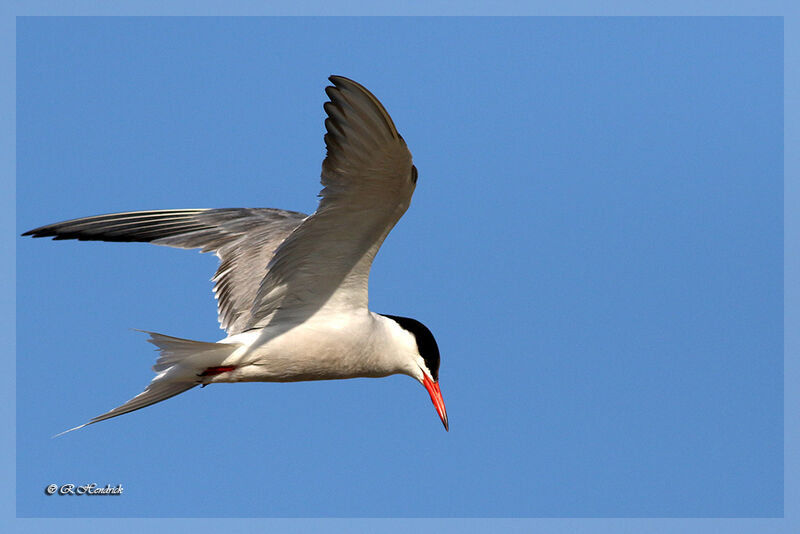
x: 414, y: 174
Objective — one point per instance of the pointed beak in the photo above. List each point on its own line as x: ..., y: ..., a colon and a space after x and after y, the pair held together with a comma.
x: 436, y: 397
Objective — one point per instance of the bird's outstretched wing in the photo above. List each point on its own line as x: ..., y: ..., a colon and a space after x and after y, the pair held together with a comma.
x: 275, y: 260
x: 245, y: 240
x: 368, y: 180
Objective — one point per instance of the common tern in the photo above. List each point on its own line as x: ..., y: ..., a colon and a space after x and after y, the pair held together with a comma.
x: 292, y: 289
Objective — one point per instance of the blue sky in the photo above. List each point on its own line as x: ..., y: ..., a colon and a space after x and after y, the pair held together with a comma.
x: 596, y: 241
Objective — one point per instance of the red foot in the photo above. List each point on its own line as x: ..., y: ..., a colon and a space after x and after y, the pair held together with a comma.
x: 217, y: 370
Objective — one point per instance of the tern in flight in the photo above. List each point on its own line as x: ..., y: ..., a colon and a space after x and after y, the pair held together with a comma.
x: 292, y: 288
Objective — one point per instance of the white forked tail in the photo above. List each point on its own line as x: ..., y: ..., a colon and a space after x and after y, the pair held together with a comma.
x: 179, y: 368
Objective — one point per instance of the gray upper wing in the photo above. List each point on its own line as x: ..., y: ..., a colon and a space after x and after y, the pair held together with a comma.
x: 245, y: 239
x: 368, y: 180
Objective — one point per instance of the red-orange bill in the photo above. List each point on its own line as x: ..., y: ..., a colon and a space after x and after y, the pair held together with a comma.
x: 436, y: 397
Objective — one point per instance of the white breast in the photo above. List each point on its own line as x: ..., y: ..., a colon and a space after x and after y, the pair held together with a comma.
x: 324, y: 347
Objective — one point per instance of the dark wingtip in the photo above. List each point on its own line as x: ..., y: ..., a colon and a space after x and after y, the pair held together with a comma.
x: 342, y: 84
x: 335, y: 78
x: 36, y: 232
x: 343, y: 81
